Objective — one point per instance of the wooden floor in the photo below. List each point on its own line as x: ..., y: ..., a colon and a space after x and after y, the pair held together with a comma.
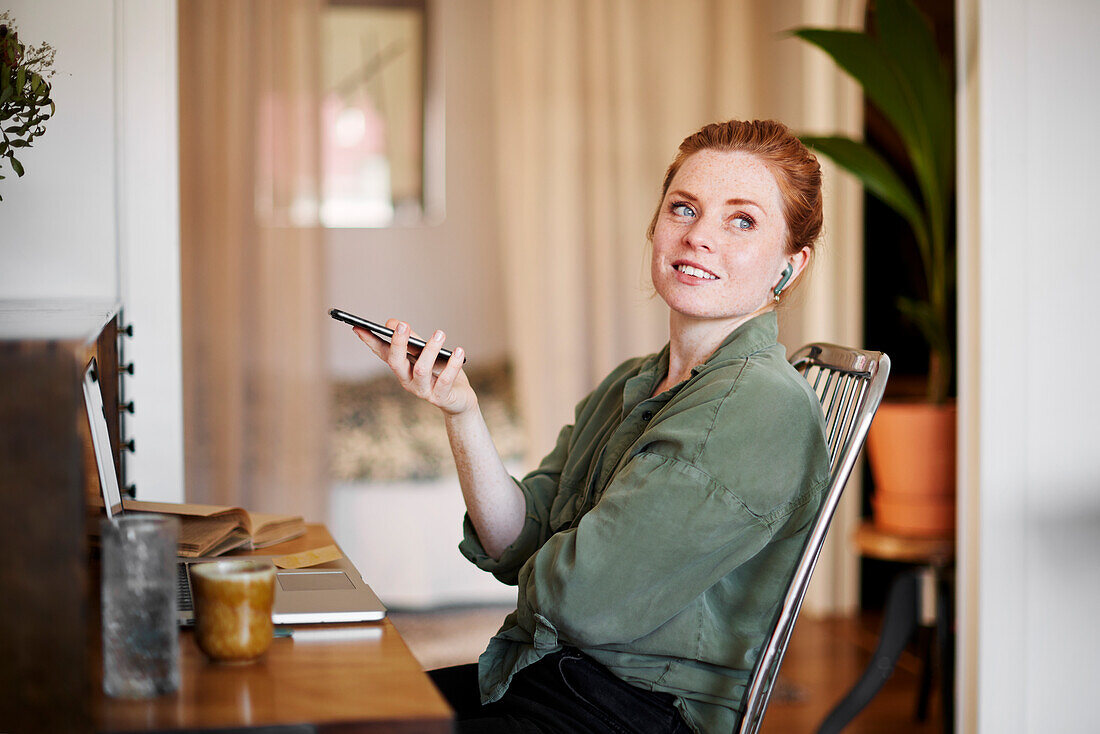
x: 825, y: 657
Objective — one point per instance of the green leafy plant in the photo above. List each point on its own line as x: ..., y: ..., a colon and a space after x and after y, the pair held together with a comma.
x: 25, y: 102
x: 901, y: 74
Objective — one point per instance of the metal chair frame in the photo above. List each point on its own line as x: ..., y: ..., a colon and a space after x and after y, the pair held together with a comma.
x: 850, y: 384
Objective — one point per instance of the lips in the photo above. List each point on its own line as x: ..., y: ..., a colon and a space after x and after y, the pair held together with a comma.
x: 693, y: 270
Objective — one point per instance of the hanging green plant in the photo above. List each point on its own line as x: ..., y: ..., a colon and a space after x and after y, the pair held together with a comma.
x: 25, y: 102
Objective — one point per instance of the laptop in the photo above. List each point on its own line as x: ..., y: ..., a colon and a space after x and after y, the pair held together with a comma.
x: 326, y: 593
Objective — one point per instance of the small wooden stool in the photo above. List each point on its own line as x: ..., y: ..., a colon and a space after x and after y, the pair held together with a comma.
x: 900, y: 619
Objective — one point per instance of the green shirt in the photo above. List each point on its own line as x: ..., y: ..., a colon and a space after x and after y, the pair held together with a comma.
x: 662, y: 531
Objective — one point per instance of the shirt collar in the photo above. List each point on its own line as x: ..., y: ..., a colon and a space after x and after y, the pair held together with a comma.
x: 759, y: 332
x: 755, y: 334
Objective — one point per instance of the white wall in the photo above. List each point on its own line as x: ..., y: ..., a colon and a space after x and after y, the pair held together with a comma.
x: 97, y: 213
x: 148, y: 231
x: 444, y: 274
x: 58, y: 222
x: 1030, y: 475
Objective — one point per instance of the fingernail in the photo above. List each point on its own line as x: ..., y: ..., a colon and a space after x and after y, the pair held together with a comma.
x: 402, y: 327
x: 437, y: 336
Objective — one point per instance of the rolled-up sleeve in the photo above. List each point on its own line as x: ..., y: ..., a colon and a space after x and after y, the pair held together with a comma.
x: 546, y: 494
x: 539, y: 489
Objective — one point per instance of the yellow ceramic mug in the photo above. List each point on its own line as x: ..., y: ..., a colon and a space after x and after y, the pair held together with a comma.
x: 233, y: 600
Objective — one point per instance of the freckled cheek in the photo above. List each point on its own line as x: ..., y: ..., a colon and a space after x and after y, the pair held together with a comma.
x: 656, y: 264
x: 662, y: 244
x: 661, y: 259
x: 747, y: 281
x: 740, y: 288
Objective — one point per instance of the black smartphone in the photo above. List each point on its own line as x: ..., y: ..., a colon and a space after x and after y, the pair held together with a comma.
x: 385, y: 333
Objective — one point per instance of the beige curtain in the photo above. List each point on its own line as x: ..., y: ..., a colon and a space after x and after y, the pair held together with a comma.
x: 593, y: 97
x: 251, y: 257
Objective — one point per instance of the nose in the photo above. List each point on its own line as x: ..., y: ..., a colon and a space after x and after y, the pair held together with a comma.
x: 701, y: 234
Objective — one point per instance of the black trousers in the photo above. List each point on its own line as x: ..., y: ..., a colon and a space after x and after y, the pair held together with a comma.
x: 566, y: 691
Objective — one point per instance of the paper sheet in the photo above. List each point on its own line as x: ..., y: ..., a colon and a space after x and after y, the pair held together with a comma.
x: 305, y: 559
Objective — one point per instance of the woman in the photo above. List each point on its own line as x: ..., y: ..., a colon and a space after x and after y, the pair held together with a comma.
x: 652, y: 547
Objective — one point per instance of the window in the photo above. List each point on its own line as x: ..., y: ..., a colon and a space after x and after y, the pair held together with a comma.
x: 374, y: 76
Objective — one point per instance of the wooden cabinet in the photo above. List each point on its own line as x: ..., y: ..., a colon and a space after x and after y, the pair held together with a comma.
x: 46, y: 467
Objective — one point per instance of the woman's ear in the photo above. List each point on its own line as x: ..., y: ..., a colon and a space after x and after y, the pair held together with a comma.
x: 798, y: 262
x: 792, y: 268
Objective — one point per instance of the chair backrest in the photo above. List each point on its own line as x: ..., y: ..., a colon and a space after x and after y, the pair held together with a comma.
x: 849, y: 383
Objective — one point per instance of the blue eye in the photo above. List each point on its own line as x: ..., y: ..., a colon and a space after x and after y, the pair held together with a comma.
x: 743, y: 222
x: 683, y: 210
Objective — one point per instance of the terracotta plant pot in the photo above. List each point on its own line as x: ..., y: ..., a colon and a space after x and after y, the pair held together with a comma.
x: 911, y: 448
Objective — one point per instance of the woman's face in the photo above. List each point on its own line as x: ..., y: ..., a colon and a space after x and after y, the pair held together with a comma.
x: 719, y: 240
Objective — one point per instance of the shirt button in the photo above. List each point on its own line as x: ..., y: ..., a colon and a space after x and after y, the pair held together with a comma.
x: 647, y: 415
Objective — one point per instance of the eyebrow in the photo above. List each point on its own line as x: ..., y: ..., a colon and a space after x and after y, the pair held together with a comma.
x: 737, y: 201
x: 742, y: 202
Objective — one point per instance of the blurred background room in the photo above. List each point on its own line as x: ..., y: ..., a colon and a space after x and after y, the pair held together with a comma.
x: 485, y: 168
x: 230, y: 169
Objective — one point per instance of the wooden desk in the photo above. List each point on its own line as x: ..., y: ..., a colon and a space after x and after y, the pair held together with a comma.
x: 366, y: 682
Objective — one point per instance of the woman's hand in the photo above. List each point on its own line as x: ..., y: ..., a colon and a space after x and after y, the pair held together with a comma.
x: 447, y: 389
x: 497, y: 507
